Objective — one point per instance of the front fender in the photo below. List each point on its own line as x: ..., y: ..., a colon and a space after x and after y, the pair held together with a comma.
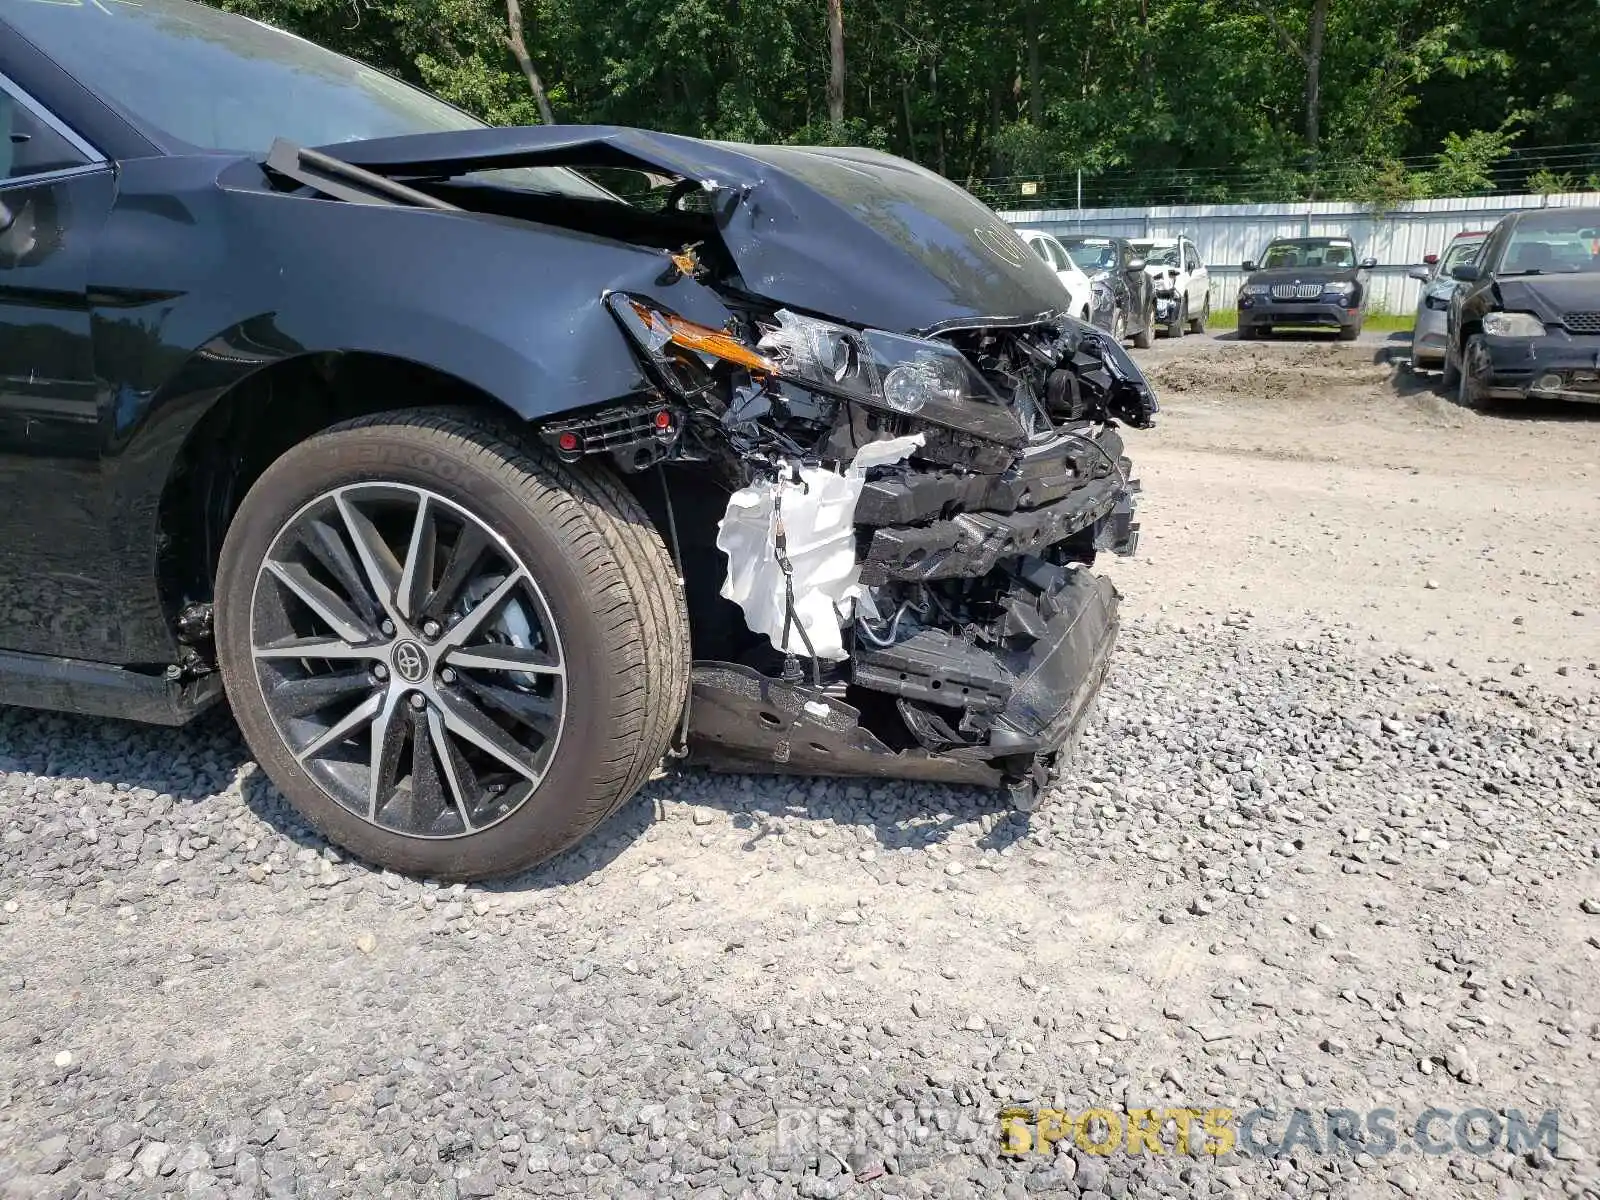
x: 200, y: 280
x: 197, y: 284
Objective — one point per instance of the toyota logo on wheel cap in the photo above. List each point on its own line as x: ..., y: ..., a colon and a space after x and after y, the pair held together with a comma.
x: 410, y: 663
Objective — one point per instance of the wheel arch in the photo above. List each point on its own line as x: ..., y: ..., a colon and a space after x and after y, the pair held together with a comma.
x: 254, y: 421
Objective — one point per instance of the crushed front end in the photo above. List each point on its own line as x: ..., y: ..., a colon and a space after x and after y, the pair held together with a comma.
x: 886, y: 539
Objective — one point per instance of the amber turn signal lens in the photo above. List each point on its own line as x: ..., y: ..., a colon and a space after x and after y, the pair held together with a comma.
x: 705, y: 340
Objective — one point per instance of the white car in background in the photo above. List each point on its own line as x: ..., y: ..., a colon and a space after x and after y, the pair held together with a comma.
x: 1182, y: 284
x: 1058, y: 260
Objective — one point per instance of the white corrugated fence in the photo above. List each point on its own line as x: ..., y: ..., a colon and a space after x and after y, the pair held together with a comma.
x: 1228, y: 234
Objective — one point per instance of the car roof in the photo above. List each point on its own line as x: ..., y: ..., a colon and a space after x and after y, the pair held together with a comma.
x: 1587, y: 212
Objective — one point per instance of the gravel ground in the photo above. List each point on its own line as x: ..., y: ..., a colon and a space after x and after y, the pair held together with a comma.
x: 1313, y: 856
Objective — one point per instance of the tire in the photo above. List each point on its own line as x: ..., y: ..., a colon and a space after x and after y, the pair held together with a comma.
x: 1349, y: 333
x: 1471, y: 391
x: 1119, y: 325
x: 592, y: 567
x: 1146, y: 336
x: 1198, y: 324
x: 1450, y: 371
x: 1249, y: 333
x: 1179, y: 322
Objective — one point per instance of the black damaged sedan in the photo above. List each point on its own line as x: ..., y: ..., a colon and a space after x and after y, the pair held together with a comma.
x: 1525, y: 321
x: 480, y: 492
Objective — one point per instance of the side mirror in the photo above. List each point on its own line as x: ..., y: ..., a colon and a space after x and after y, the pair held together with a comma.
x: 1465, y: 272
x: 1136, y: 264
x: 7, y: 217
x: 1368, y: 263
x: 1249, y: 264
x: 1421, y: 273
x: 1430, y: 259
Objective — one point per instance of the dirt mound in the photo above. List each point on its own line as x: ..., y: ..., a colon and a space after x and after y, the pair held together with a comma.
x: 1275, y: 372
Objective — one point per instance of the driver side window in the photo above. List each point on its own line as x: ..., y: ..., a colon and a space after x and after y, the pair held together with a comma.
x: 29, y: 146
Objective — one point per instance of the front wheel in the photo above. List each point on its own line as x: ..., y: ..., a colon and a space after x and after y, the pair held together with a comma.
x: 1349, y: 333
x: 1198, y: 324
x: 1472, y: 388
x: 1450, y: 371
x: 1180, y: 319
x: 1119, y: 325
x: 1146, y: 336
x: 454, y: 655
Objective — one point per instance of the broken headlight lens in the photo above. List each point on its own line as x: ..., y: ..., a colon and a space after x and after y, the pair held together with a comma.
x: 1513, y: 324
x: 913, y: 376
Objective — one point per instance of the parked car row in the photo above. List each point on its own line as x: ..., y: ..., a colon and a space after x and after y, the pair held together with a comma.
x: 1508, y: 312
x: 1142, y: 288
x: 1131, y: 289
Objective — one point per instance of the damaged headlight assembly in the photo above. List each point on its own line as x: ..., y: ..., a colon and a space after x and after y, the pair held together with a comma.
x: 892, y: 373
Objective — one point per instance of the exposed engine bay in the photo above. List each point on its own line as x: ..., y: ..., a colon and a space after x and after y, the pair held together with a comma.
x: 906, y: 534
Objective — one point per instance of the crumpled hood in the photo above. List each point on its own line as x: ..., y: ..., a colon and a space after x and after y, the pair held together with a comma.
x: 852, y: 234
x: 1551, y: 297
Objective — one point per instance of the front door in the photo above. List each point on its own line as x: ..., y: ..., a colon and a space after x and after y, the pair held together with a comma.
x: 55, y: 194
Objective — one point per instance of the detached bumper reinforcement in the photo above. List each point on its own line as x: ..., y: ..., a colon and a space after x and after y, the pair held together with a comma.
x: 971, y: 544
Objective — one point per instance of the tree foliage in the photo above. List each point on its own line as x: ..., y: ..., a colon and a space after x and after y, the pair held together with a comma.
x: 1150, y: 100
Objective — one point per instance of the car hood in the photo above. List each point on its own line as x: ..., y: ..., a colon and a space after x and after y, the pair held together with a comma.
x: 1550, y: 296
x: 852, y: 234
x: 1304, y: 275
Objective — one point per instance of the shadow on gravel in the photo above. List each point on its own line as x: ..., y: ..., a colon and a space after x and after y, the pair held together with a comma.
x: 191, y: 764
x: 896, y: 814
x: 196, y: 765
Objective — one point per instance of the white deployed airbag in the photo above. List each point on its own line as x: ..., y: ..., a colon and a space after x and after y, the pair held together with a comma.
x: 818, y: 515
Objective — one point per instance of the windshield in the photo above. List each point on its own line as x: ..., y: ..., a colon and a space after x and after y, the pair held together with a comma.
x: 1463, y: 251
x: 1157, y: 254
x: 1092, y: 254
x: 215, y: 81
x: 1554, y: 243
x: 1308, y: 252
